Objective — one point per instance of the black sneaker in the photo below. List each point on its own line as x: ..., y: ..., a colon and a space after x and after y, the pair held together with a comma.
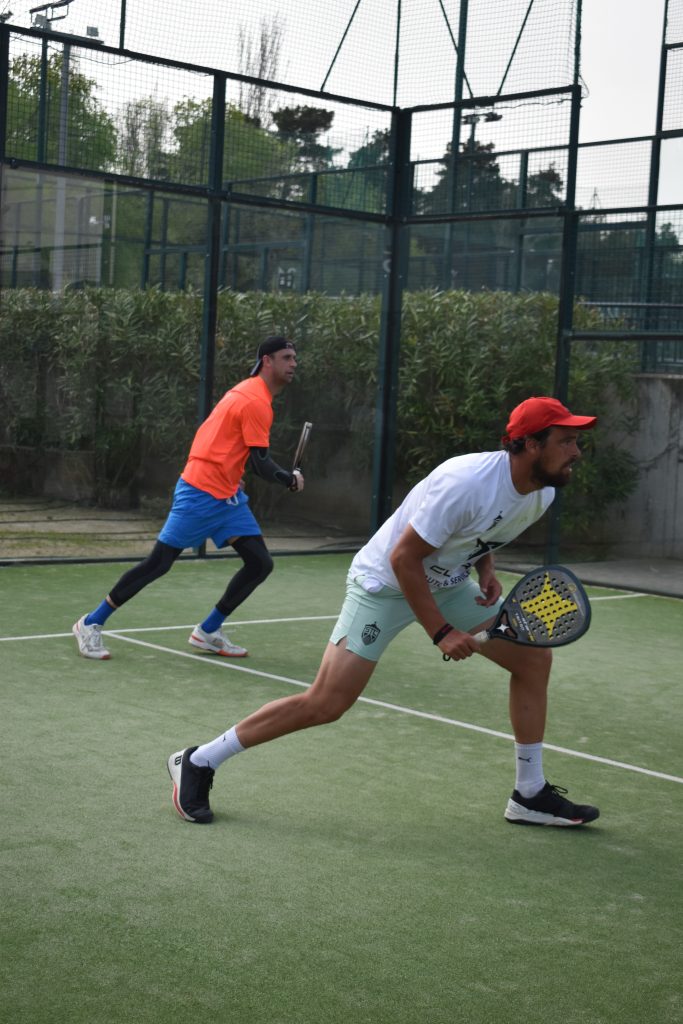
x: 191, y: 787
x: 548, y: 807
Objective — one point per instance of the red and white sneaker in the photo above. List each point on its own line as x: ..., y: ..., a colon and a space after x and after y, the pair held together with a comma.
x: 216, y: 643
x: 89, y: 639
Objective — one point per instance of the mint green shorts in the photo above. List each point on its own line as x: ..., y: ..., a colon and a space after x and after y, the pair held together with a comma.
x: 371, y: 621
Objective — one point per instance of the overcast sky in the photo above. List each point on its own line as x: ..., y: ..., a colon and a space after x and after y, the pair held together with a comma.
x: 621, y: 43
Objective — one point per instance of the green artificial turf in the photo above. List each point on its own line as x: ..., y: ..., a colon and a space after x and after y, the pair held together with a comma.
x: 360, y: 873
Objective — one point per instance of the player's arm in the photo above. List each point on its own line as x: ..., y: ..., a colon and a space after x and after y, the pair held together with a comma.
x: 267, y: 468
x: 406, y: 561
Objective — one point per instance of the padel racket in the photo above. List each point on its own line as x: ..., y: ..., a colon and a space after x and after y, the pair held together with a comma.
x: 301, y: 446
x: 546, y: 608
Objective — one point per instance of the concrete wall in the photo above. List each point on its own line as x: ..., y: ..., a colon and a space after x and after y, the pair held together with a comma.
x: 650, y: 522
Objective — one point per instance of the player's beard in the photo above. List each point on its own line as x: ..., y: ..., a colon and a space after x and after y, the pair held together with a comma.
x: 546, y: 479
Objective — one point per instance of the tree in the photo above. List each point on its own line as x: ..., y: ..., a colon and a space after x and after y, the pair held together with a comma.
x: 545, y: 188
x: 90, y: 132
x: 474, y: 183
x: 374, y: 153
x: 303, y: 126
x: 363, y: 185
x: 259, y: 58
x: 144, y: 127
x: 668, y: 268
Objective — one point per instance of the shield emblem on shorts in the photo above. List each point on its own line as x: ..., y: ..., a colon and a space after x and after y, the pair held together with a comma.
x: 370, y: 633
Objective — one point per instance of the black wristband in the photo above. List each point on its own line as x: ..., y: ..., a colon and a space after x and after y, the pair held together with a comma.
x: 441, y: 633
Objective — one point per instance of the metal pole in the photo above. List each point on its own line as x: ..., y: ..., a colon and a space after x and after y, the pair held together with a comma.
x: 565, y: 315
x: 309, y: 234
x: 225, y: 241
x: 647, y: 283
x: 397, y: 50
x: 163, y: 242
x: 147, y: 245
x: 213, y: 253
x: 62, y: 155
x: 522, y: 200
x: 4, y: 82
x: 452, y: 191
x: 42, y: 104
x: 213, y: 257
x: 41, y: 151
x: 395, y: 271
x: 122, y: 26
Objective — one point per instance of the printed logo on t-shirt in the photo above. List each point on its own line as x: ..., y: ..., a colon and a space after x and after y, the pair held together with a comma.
x: 441, y: 577
x: 483, y: 547
x: 370, y: 633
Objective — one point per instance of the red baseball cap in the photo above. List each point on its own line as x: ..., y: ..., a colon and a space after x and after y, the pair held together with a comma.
x: 535, y: 414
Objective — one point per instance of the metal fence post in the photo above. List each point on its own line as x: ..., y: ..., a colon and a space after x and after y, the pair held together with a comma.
x: 453, y: 166
x: 213, y: 256
x: 213, y: 249
x: 649, y: 247
x: 565, y: 315
x: 395, y: 271
x: 4, y: 86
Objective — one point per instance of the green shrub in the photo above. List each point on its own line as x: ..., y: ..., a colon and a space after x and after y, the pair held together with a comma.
x: 117, y: 373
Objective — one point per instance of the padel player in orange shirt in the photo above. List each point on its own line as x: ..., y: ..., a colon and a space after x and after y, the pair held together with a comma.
x: 209, y: 503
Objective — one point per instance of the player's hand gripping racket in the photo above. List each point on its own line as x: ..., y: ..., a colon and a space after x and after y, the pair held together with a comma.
x: 546, y: 608
x: 299, y: 454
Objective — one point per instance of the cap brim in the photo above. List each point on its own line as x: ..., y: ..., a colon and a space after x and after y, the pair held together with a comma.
x: 580, y: 422
x: 256, y: 368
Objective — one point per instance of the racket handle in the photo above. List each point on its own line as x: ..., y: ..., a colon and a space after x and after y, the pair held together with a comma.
x: 480, y: 637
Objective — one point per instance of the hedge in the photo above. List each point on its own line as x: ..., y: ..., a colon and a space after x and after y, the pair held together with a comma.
x: 116, y: 372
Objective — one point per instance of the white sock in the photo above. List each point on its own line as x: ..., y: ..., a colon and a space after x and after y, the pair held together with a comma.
x: 529, y: 778
x: 210, y: 755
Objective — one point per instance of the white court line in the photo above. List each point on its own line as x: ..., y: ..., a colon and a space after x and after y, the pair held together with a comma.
x: 162, y: 629
x: 244, y: 622
x: 123, y: 634
x: 229, y: 664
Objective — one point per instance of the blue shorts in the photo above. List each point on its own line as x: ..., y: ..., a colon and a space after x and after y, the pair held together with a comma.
x: 197, y: 516
x: 371, y: 621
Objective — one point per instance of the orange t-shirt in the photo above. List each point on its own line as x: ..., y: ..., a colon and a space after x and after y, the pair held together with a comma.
x: 219, y: 452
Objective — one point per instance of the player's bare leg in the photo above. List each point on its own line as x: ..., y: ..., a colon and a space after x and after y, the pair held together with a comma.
x: 341, y: 679
x: 529, y: 670
x: 534, y: 800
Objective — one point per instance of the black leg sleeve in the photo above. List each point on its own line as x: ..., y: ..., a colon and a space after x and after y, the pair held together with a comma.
x: 257, y: 566
x: 157, y: 563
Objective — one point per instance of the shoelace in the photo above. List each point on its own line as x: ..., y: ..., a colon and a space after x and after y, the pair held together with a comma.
x: 206, y: 779
x: 224, y: 641
x: 93, y: 640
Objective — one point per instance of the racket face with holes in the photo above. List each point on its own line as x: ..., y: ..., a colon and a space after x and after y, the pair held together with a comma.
x: 546, y: 608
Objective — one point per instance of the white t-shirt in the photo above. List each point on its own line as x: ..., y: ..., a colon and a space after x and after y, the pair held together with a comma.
x: 465, y: 508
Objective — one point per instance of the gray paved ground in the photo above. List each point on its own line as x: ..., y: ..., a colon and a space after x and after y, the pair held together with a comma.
x: 32, y: 529
x: 649, y: 575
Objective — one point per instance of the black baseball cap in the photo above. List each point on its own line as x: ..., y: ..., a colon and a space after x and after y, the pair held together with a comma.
x: 272, y: 344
